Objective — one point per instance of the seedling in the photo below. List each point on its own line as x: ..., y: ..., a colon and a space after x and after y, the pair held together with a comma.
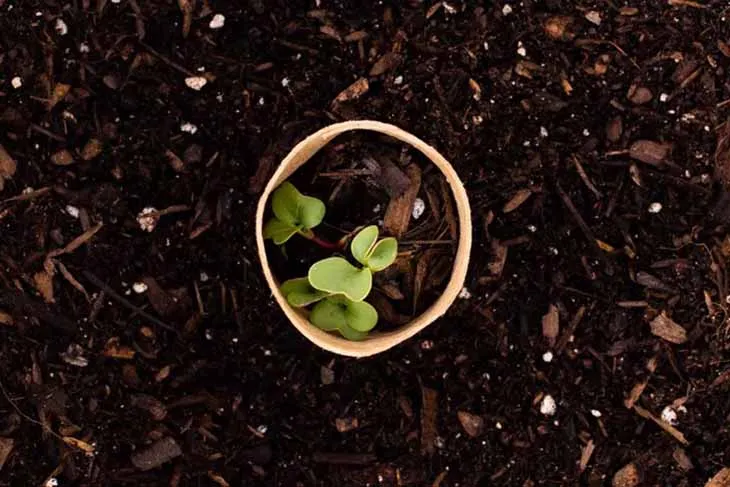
x: 295, y: 213
x: 339, y: 288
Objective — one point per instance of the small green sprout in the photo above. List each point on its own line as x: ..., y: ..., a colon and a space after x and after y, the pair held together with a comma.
x: 293, y: 213
x: 339, y: 288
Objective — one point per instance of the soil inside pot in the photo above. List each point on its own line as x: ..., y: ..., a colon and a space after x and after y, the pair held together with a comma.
x: 365, y: 179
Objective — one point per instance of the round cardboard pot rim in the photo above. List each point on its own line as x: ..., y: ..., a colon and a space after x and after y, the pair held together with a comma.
x: 376, y: 342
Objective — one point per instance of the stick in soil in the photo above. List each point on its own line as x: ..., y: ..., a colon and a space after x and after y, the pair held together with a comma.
x: 127, y: 304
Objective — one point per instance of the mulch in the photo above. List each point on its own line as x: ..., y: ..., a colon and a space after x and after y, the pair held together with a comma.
x: 139, y: 344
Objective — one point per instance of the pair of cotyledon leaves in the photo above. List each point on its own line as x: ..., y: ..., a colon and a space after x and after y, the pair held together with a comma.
x: 293, y: 213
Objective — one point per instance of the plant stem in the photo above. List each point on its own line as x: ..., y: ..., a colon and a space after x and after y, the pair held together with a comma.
x: 325, y: 244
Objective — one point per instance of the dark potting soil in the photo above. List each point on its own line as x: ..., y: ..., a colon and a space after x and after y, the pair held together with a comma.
x: 357, y: 176
x: 593, y: 141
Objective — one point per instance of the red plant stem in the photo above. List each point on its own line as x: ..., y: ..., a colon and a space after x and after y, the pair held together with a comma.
x: 325, y: 244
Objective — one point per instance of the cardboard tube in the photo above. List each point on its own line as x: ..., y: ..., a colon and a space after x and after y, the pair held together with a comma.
x: 377, y: 341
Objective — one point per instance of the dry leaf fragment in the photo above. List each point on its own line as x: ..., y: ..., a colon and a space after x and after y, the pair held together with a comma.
x: 558, y: 28
x: 6, y: 319
x: 499, y: 259
x: 43, y: 282
x: 551, y: 325
x: 517, y: 200
x: 428, y: 420
x: 666, y: 328
x: 160, y: 452
x: 80, y: 444
x: 628, y: 476
x: 720, y: 479
x: 639, y: 95
x: 344, y: 425
x: 650, y: 152
x: 354, y: 91
x: 473, y: 425
x: 218, y: 479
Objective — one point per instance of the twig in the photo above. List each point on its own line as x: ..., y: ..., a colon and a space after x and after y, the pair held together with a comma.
x: 296, y: 47
x: 570, y: 331
x: 686, y: 3
x: 582, y: 224
x: 46, y: 132
x: 166, y: 59
x: 585, y: 178
x: 662, y: 424
x: 126, y: 303
x: 344, y: 458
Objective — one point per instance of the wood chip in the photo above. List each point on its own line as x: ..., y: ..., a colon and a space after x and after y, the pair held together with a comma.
x: 59, y: 93
x: 386, y: 63
x: 218, y: 479
x: 6, y: 447
x: 7, y: 166
x: 43, y: 282
x: 558, y: 27
x: 429, y: 410
x: 680, y: 456
x: 586, y: 454
x: 113, y: 349
x: 79, y: 444
x: 186, y: 7
x: 551, y: 325
x: 6, y: 319
x: 356, y: 36
x: 517, y: 200
x: 639, y: 95
x: 720, y: 479
x: 628, y: 476
x: 473, y: 425
x: 650, y: 152
x: 344, y: 425
x: 152, y: 405
x: 400, y: 209
x: 92, y: 149
x: 667, y: 329
x: 331, y: 32
x: 614, y: 129
x: 389, y: 175
x: 159, y: 453
x: 76, y: 243
x: 499, y: 258
x: 723, y: 47
x: 354, y: 91
x: 662, y: 424
x: 62, y: 158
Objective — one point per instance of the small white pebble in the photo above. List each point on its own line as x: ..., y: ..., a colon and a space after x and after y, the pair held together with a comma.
x: 532, y: 228
x: 543, y: 132
x: 486, y: 46
x: 669, y: 415
x: 398, y: 80
x: 84, y: 47
x: 506, y: 10
x: 52, y: 482
x: 521, y: 49
x: 16, y: 82
x: 262, y: 101
x: 464, y: 293
x: 148, y: 218
x: 285, y: 82
x: 450, y: 9
x: 72, y: 211
x: 498, y: 425
x: 116, y: 1
x: 548, y: 406
x: 547, y: 356
x: 208, y: 334
x: 596, y: 413
x: 419, y: 206
x: 477, y: 119
x: 586, y: 132
x: 61, y: 27
x: 139, y: 287
x: 204, y: 277
x: 196, y: 82
x: 663, y: 97
x: 655, y: 207
x: 217, y: 21
x: 188, y: 127
x: 593, y: 17
x: 376, y: 208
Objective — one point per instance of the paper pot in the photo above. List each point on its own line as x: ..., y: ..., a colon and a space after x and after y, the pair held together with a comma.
x: 377, y: 341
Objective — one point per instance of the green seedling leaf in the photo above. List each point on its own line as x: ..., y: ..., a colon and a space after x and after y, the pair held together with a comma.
x: 352, y: 319
x: 300, y: 293
x: 363, y: 243
x: 279, y: 231
x: 337, y: 276
x: 382, y: 254
x: 292, y: 207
